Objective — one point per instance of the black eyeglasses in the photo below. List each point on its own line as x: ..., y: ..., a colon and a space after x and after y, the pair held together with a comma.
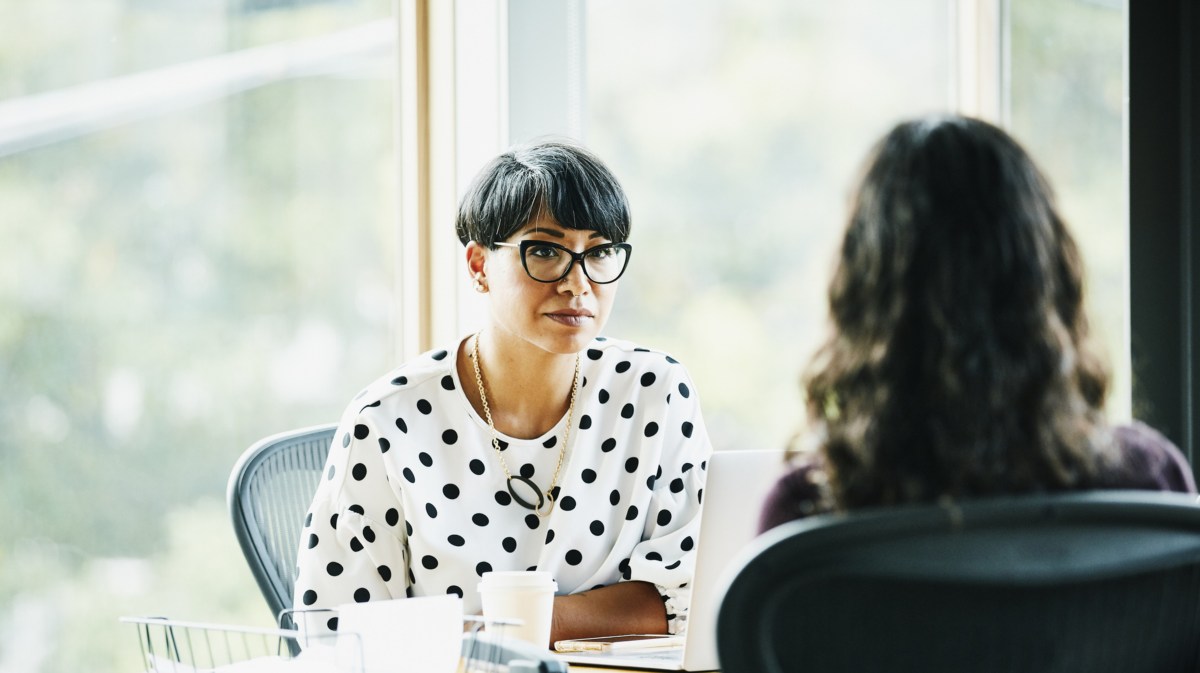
x: 548, y: 262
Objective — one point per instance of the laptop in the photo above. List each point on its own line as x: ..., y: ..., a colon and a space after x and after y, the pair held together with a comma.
x: 734, y: 490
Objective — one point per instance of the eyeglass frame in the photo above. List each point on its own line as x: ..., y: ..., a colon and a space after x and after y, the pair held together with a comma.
x: 580, y: 257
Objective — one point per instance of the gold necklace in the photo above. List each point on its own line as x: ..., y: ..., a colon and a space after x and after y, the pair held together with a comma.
x: 543, y: 499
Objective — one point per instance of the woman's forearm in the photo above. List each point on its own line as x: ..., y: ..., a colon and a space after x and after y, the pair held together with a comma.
x: 626, y: 607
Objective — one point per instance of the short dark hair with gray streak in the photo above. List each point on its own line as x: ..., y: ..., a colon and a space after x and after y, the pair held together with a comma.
x: 553, y: 177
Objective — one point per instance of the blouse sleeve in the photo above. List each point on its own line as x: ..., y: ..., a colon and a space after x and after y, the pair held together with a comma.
x: 353, y: 547
x: 666, y: 556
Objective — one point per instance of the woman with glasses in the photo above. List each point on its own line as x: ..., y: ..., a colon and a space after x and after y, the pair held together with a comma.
x: 534, y: 443
x: 960, y: 364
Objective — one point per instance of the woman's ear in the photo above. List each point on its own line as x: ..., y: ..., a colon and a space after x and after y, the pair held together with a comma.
x: 477, y: 265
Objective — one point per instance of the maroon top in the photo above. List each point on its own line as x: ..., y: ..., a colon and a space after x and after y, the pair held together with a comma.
x: 1148, y: 462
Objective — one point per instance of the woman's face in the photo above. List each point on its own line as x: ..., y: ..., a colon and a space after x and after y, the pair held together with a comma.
x: 560, y: 317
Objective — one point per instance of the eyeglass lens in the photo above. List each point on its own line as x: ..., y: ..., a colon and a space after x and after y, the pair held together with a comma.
x: 548, y: 263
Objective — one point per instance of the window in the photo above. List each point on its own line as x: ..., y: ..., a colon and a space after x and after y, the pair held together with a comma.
x: 197, y: 201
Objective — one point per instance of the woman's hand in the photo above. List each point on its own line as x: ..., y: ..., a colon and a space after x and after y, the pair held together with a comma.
x: 626, y: 607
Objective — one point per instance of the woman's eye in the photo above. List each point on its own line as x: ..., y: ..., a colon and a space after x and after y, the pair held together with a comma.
x: 604, y: 253
x: 542, y: 251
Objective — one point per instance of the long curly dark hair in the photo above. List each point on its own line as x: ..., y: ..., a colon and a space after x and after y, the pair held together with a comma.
x: 959, y: 362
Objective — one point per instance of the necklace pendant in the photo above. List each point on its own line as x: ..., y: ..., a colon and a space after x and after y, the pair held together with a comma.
x: 537, y: 492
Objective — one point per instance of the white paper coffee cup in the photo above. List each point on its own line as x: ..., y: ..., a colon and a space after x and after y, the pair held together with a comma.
x: 520, y: 595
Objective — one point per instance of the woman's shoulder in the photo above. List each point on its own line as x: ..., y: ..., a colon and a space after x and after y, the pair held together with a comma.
x: 431, y: 368
x: 1146, y: 459
x: 797, y: 494
x: 626, y: 355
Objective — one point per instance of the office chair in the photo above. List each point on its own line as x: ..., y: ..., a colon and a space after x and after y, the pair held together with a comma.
x: 1088, y: 582
x: 269, y: 492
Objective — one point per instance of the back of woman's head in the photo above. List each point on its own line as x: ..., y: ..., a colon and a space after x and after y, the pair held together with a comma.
x: 959, y: 363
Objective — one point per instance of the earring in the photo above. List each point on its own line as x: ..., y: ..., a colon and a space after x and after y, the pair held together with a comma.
x: 479, y: 286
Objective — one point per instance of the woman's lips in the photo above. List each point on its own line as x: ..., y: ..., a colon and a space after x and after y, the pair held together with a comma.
x: 571, y: 318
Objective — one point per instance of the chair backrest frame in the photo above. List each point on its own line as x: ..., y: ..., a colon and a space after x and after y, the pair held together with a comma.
x: 270, y: 489
x: 981, y: 563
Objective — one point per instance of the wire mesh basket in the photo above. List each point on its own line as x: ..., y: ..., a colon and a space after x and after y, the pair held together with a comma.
x: 174, y: 646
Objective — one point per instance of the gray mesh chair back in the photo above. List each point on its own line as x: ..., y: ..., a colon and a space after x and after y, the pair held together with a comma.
x: 270, y: 490
x: 1084, y: 583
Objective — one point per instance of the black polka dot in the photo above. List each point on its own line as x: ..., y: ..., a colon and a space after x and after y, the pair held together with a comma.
x: 385, y: 573
x: 400, y: 380
x: 631, y: 513
x: 509, y: 544
x: 448, y: 382
x: 503, y: 498
x: 647, y: 379
x: 368, y: 534
x: 673, y: 565
x: 333, y: 521
x: 554, y: 493
x: 550, y: 443
x: 597, y: 528
x: 355, y: 545
x: 683, y: 390
x: 431, y: 510
x: 608, y: 445
x: 653, y: 556
x: 456, y: 540
x: 332, y: 623
x: 408, y: 528
x: 401, y: 425
x: 651, y: 429
x: 672, y: 360
x: 408, y: 475
x: 454, y: 590
x: 676, y: 485
x: 664, y: 517
x: 440, y: 355
x: 361, y: 431
x: 357, y: 509
x: 449, y: 436
x: 334, y: 569
x: 424, y: 407
x: 567, y: 504
x: 527, y: 470
x: 700, y: 496
x: 574, y: 557
x: 450, y: 491
x: 550, y: 536
x: 310, y: 597
x: 479, y: 519
x: 329, y: 474
x: 588, y: 476
x: 477, y: 466
x: 650, y: 481
x: 623, y: 366
x: 425, y: 458
x: 704, y: 465
x: 687, y: 429
x: 626, y: 571
x: 627, y: 410
x: 429, y: 562
x: 483, y: 567
x: 614, y: 497
x: 687, y: 544
x: 602, y: 396
x: 532, y: 521
x: 392, y: 516
x: 631, y: 465
x: 594, y: 353
x: 585, y: 422
x: 312, y: 541
x: 503, y: 444
x: 308, y: 520
x: 686, y: 467
x: 359, y: 472
x: 384, y: 445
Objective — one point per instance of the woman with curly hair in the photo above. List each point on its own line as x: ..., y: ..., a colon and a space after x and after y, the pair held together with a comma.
x: 959, y: 363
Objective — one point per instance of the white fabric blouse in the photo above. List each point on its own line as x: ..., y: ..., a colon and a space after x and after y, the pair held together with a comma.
x: 414, y: 502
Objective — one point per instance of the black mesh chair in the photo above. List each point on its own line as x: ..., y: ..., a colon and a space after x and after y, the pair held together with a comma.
x: 1091, y: 583
x: 270, y: 490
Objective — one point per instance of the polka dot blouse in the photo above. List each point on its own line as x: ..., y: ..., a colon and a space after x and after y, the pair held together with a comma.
x: 414, y: 502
